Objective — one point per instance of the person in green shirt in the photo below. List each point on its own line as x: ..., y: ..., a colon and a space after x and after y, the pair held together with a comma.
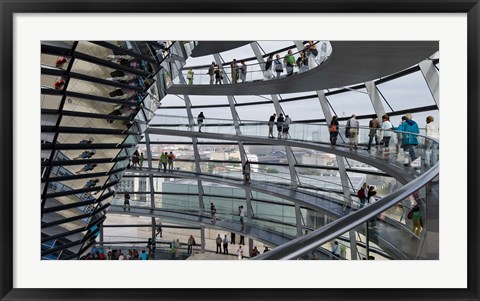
x: 163, y: 161
x: 190, y: 76
x: 417, y: 221
x: 289, y: 61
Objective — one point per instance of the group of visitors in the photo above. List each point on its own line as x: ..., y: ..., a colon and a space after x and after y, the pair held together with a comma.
x: 283, y: 125
x: 166, y: 158
x: 175, y: 246
x: 382, y: 132
x: 215, y: 71
x: 366, y: 194
x: 131, y: 254
x: 137, y: 159
x: 308, y: 58
x: 222, y: 241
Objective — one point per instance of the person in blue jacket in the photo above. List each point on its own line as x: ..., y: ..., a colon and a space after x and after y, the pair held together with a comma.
x: 409, y: 141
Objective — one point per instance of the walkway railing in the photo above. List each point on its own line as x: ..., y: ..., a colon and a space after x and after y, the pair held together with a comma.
x: 257, y: 71
x: 424, y: 166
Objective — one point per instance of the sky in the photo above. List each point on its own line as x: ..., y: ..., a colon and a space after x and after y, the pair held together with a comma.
x: 406, y: 92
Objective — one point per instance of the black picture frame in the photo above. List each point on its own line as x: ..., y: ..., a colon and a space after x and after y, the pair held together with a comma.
x: 9, y: 7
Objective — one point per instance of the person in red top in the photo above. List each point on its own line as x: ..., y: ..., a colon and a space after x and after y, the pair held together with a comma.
x: 59, y: 84
x: 60, y: 62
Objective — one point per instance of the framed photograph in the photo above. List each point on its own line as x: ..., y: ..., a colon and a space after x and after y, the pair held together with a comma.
x: 239, y: 150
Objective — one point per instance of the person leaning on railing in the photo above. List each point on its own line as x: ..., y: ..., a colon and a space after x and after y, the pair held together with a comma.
x: 234, y: 69
x: 269, y: 67
x: 289, y: 61
x: 211, y: 72
x: 218, y: 75
x: 280, y: 120
x: 243, y: 71
x: 386, y: 133
x: 431, y: 147
x: 271, y: 122
x: 278, y: 65
x: 409, y: 141
x: 333, y: 129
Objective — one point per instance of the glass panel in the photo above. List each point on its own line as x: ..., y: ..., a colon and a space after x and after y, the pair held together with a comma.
x: 51, y: 102
x: 271, y: 46
x: 172, y: 100
x: 351, y: 102
x: 91, y: 88
x: 407, y: 92
x: 88, y: 153
x: 52, y: 82
x: 261, y: 112
x: 198, y: 100
x: 114, y: 75
x: 303, y: 109
x: 48, y: 119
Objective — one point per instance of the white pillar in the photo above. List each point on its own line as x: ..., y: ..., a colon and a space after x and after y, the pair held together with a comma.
x: 431, y: 76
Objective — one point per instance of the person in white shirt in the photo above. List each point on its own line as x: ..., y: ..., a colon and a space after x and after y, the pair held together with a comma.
x: 386, y: 133
x: 286, y: 126
x: 431, y: 147
x: 225, y: 245
x: 240, y: 253
x: 353, y: 126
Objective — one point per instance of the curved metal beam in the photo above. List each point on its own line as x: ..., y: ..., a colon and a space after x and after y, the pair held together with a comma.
x: 351, y: 62
x: 323, y: 204
x: 403, y: 176
x: 306, y: 243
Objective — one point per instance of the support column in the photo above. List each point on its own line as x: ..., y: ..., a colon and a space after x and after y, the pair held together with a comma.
x: 367, y: 241
x: 218, y: 61
x: 150, y: 180
x: 243, y: 155
x: 342, y: 171
x: 202, y: 239
x: 431, y: 76
x: 258, y: 54
x: 298, y: 218
x: 101, y: 236
x: 191, y: 124
x: 299, y: 45
x: 375, y: 99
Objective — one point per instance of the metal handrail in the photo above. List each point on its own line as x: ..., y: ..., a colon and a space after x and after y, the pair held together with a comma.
x: 248, y: 65
x: 307, y: 243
